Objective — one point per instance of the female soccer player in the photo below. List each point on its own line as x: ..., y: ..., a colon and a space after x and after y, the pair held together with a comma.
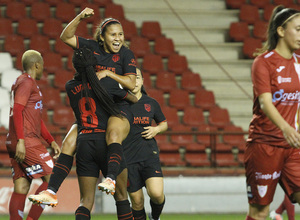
x: 272, y: 152
x: 142, y: 154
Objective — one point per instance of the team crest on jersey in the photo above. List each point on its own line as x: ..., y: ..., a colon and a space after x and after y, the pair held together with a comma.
x: 262, y: 190
x: 116, y: 57
x: 133, y: 62
x: 147, y: 107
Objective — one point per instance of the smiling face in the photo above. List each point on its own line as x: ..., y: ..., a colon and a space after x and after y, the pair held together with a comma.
x: 291, y: 34
x: 113, y: 38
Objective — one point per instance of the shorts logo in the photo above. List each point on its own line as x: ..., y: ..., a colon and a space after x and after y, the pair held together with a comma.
x: 116, y: 57
x: 44, y: 155
x: 249, y: 192
x: 49, y: 163
x: 147, y: 107
x: 262, y: 190
x: 34, y: 169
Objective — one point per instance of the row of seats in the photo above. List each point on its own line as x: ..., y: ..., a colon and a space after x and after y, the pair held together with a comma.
x: 237, y: 4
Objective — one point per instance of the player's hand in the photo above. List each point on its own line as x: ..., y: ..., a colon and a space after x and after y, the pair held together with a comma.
x: 292, y: 137
x: 150, y: 132
x: 102, y: 74
x: 86, y: 13
x: 56, y: 149
x: 20, y: 151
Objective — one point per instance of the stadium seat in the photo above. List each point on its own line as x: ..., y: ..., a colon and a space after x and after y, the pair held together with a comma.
x: 27, y: 27
x: 165, y: 81
x: 260, y: 3
x: 151, y: 30
x: 96, y: 18
x: 69, y: 63
x: 168, y: 147
x: 164, y: 46
x: 4, y: 160
x: 152, y: 63
x: 235, y: 4
x: 63, y: 116
x: 101, y: 3
x: 82, y: 30
x: 221, y: 147
x: 285, y: 3
x: 233, y: 139
x: 40, y: 11
x: 8, y: 77
x: 6, y: 27
x: 171, y: 159
x: 139, y: 46
x: 238, y: 31
x: 53, y: 3
x: 2, y: 143
x: 191, y: 82
x: 177, y: 64
x: 206, y: 138
x: 240, y: 159
x: 114, y: 11
x: 157, y: 94
x: 249, y: 13
x: 195, y: 147
x: 40, y: 43
x: 14, y: 44
x: 78, y: 3
x: 219, y: 117
x: 52, y: 62
x: 4, y: 116
x: 16, y: 10
x: 171, y: 115
x: 268, y: 9
x: 162, y: 139
x: 65, y: 12
x: 193, y: 116
x: 205, y: 99
x: 147, y: 83
x: 52, y: 27
x: 5, y: 97
x: 61, y: 48
x: 51, y: 97
x: 182, y: 139
x: 6, y: 61
x: 179, y: 99
x: 197, y: 160
x: 61, y: 77
x: 260, y: 29
x: 226, y: 160
x: 250, y: 46
x: 129, y: 28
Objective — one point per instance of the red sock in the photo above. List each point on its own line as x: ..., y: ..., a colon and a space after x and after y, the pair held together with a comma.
x: 290, y: 208
x: 36, y: 210
x: 16, y: 206
x: 249, y: 218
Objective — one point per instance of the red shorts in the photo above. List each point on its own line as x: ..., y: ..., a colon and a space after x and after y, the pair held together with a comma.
x: 37, y: 163
x: 266, y: 166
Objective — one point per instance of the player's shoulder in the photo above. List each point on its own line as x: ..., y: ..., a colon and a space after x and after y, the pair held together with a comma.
x: 125, y: 51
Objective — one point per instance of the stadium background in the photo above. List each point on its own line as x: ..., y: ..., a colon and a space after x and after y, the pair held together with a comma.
x: 196, y: 57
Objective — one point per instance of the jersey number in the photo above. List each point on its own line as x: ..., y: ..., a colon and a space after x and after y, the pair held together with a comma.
x: 88, y: 113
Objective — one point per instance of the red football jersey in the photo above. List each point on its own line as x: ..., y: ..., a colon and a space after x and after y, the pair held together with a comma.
x: 278, y: 76
x: 26, y: 92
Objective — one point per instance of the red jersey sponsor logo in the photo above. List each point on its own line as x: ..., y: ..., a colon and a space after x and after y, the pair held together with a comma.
x: 147, y: 107
x: 116, y: 57
x: 99, y: 68
x: 141, y: 120
x: 286, y: 97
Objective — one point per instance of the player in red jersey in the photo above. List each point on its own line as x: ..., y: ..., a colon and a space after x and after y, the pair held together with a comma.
x: 285, y: 205
x: 29, y: 157
x: 272, y: 150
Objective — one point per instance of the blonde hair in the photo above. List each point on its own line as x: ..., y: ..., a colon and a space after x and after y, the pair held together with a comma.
x: 30, y: 57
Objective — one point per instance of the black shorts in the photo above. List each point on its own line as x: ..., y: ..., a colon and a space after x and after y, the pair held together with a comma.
x: 91, y: 155
x: 139, y: 172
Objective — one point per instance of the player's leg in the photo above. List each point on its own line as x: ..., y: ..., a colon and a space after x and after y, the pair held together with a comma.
x: 258, y: 212
x: 17, y: 200
x: 137, y: 204
x: 155, y: 190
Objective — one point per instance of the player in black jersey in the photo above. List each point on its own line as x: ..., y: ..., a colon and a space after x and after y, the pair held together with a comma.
x: 142, y: 153
x: 114, y: 62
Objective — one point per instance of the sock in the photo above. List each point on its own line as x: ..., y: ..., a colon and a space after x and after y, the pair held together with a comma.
x: 139, y: 215
x: 115, y: 156
x: 82, y: 213
x: 249, y: 218
x: 16, y: 206
x: 290, y: 208
x: 124, y: 210
x: 36, y: 210
x: 156, y: 209
x: 60, y: 171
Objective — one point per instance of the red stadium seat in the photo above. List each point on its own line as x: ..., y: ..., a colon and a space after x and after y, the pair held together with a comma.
x: 197, y: 160
x: 14, y: 44
x: 171, y: 115
x: 238, y: 31
x: 82, y: 30
x: 219, y: 117
x: 268, y: 9
x: 152, y: 63
x: 5, y: 27
x: 27, y: 27
x: 61, y: 48
x: 61, y: 77
x: 52, y: 27
x: 69, y: 63
x: 114, y: 11
x: 249, y: 13
x: 78, y: 3
x: 166, y: 81
x: 233, y: 139
x: 40, y: 43
x: 260, y: 3
x: 53, y: 2
x: 168, y: 147
x: 195, y: 147
x: 63, y: 116
x: 193, y: 116
x: 40, y: 11
x: 191, y: 82
x: 52, y: 62
x: 16, y: 10
x: 221, y: 147
x: 206, y: 139
x: 235, y: 4
x: 260, y: 29
x: 65, y: 12
x: 171, y: 159
x: 250, y: 46
x: 285, y: 3
x: 95, y: 19
x: 129, y: 28
x: 44, y: 82
x: 177, y: 64
x: 2, y: 144
x: 4, y: 160
x: 162, y: 139
x: 240, y: 159
x: 164, y: 46
x: 147, y: 81
x: 179, y: 99
x: 101, y: 3
x: 226, y: 160
x: 139, y: 46
x: 157, y: 94
x: 205, y: 99
x: 51, y: 97
x: 151, y: 30
x: 182, y: 139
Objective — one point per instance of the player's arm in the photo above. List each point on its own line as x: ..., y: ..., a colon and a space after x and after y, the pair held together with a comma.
x: 290, y: 134
x: 49, y: 139
x: 68, y: 34
x: 19, y: 127
x: 152, y: 131
x: 127, y: 81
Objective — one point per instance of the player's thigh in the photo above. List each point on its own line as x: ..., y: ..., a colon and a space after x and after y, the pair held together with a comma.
x: 69, y: 142
x: 155, y: 187
x: 117, y: 129
x: 259, y: 212
x: 137, y: 199
x: 21, y: 185
x: 87, y: 186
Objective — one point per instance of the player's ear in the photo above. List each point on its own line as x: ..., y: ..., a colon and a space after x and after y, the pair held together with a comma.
x: 280, y: 31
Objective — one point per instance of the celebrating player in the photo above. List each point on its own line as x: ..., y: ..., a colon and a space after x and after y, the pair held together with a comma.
x: 29, y: 157
x: 272, y: 152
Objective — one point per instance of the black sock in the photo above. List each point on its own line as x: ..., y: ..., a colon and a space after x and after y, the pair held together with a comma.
x: 124, y: 210
x: 139, y: 215
x: 115, y: 156
x: 82, y: 213
x: 60, y: 171
x: 156, y: 209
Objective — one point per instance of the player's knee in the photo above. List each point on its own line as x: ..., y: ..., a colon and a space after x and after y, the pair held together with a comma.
x: 137, y: 203
x: 157, y: 197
